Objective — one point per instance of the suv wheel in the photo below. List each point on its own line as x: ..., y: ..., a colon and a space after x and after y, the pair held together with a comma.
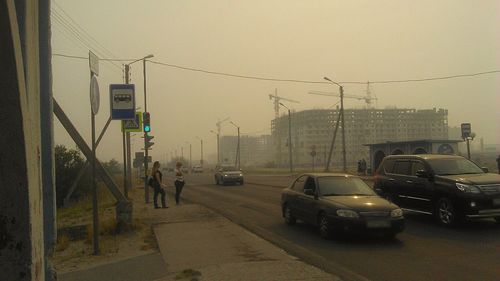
x: 446, y: 213
x: 287, y: 215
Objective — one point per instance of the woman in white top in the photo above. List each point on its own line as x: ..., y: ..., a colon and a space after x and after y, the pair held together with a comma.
x: 179, y: 182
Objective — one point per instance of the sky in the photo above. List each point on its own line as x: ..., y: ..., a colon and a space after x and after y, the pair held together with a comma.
x: 294, y: 40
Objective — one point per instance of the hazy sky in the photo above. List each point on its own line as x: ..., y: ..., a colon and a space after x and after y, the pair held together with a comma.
x: 305, y: 40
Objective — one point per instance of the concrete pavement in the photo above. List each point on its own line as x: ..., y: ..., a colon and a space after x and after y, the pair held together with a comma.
x: 198, y: 244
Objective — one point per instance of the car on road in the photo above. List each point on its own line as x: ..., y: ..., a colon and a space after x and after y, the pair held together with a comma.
x: 197, y: 169
x: 227, y: 174
x: 449, y: 187
x: 337, y: 203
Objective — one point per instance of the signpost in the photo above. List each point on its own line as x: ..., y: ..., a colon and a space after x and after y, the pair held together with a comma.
x: 94, y: 104
x: 122, y: 101
x: 134, y: 125
x: 467, y: 135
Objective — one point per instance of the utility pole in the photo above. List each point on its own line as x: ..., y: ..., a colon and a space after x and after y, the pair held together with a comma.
x: 218, y: 155
x: 344, y: 161
x: 146, y: 148
x: 289, y: 137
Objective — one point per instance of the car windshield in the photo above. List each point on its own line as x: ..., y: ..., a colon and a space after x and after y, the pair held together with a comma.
x: 454, y: 166
x: 340, y: 186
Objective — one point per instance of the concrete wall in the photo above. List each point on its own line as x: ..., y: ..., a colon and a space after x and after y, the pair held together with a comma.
x: 21, y: 216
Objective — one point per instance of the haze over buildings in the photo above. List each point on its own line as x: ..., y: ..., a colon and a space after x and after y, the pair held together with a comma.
x: 344, y: 40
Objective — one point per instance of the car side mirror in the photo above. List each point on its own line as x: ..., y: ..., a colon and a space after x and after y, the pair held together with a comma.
x: 422, y: 174
x: 486, y: 170
x: 309, y: 191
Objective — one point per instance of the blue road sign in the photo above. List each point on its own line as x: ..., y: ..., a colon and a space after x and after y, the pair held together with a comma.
x: 122, y: 101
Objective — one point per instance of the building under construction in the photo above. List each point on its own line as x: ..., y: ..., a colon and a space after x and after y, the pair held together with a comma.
x: 312, y: 132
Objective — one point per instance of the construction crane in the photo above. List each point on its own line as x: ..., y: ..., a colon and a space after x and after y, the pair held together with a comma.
x: 368, y: 98
x: 219, y: 123
x: 277, y: 103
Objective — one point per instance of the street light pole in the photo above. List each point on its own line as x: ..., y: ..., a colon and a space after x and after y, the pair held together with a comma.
x: 201, y: 151
x: 289, y: 137
x: 344, y: 161
x: 218, y: 154
x: 237, y: 161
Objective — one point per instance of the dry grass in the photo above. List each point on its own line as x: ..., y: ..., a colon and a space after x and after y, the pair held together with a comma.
x: 62, y: 243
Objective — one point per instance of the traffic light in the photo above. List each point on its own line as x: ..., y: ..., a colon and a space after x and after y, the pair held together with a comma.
x: 146, y: 121
x: 148, y: 143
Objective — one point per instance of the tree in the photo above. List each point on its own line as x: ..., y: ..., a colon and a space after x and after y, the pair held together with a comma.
x: 68, y: 164
x: 112, y: 166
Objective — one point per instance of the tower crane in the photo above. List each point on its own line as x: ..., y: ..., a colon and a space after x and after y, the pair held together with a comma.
x: 277, y: 102
x: 368, y: 98
x: 219, y: 123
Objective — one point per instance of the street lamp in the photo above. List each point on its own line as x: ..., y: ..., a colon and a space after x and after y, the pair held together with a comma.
x: 289, y: 137
x: 126, y: 138
x: 237, y: 161
x: 201, y: 151
x: 218, y: 153
x: 344, y: 162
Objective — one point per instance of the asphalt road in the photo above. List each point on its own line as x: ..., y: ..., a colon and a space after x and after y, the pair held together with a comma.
x: 424, y: 251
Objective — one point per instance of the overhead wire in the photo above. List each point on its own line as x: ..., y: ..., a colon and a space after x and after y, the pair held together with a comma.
x: 294, y: 80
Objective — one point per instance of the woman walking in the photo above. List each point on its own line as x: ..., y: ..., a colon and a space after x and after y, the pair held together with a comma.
x: 179, y: 182
x: 157, y: 185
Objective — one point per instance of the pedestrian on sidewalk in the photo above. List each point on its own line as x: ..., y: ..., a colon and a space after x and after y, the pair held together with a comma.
x: 157, y: 185
x: 179, y: 182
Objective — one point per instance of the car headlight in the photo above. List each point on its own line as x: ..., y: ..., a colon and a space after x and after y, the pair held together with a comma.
x: 347, y: 214
x: 225, y: 175
x: 241, y: 175
x: 467, y: 188
x: 396, y: 213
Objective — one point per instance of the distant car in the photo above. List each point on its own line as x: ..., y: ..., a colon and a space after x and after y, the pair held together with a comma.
x: 450, y: 187
x: 337, y: 203
x: 197, y: 169
x: 225, y: 174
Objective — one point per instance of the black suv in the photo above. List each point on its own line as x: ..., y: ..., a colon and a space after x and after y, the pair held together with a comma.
x: 449, y: 187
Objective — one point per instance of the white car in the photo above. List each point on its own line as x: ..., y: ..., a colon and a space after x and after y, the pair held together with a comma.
x: 197, y: 169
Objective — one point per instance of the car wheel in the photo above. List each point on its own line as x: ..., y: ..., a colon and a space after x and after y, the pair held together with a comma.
x: 446, y: 213
x: 324, y: 226
x: 287, y: 215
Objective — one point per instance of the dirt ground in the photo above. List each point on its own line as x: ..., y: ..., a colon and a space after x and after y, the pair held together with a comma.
x: 75, y: 254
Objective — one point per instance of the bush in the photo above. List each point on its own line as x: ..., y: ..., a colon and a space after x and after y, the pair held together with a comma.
x: 68, y: 164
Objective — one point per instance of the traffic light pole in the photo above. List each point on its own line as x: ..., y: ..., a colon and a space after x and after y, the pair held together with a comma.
x: 146, y: 148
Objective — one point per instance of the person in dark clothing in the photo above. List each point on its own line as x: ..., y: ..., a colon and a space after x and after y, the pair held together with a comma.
x: 498, y: 163
x: 179, y: 182
x: 158, y: 186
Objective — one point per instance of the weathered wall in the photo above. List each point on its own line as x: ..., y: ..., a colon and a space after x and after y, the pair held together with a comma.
x: 21, y: 220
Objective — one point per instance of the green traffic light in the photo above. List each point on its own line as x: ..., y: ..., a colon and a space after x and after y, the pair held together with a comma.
x: 147, y: 128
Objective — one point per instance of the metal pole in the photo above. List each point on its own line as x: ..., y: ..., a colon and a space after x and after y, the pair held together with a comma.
x: 95, y: 214
x: 127, y: 172
x: 468, y: 148
x: 146, y: 189
x: 218, y: 150
x: 327, y: 168
x: 290, y: 140
x: 239, y: 150
x: 344, y: 162
x: 190, y: 158
x: 201, y: 161
x: 128, y: 185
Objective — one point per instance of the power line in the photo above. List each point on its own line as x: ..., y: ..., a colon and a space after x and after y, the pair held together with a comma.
x: 294, y: 80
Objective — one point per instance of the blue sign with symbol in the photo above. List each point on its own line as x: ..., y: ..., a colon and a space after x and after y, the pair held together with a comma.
x: 122, y: 101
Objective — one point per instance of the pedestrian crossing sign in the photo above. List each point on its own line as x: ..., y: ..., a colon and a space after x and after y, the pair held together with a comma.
x: 133, y: 125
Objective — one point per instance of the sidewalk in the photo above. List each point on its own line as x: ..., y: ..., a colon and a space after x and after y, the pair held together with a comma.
x: 198, y: 244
